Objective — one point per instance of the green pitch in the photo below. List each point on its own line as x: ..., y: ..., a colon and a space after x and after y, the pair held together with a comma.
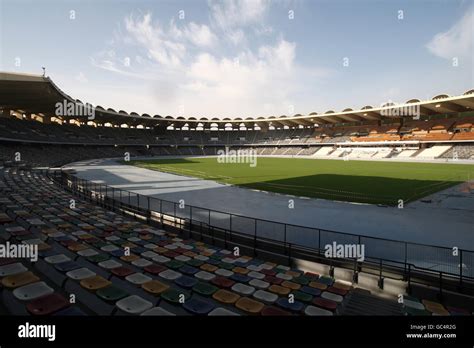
x: 354, y: 181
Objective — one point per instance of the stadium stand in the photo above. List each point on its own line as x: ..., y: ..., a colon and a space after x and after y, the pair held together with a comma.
x: 82, y: 252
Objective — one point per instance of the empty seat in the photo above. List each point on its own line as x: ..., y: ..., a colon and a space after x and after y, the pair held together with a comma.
x: 111, y: 293
x: 157, y: 311
x: 48, y: 304
x: 134, y: 304
x: 19, y: 279
x: 11, y: 269
x: 248, y: 305
x: 155, y: 287
x: 198, y: 306
x: 225, y: 296
x: 32, y: 291
x: 316, y: 311
x: 80, y: 273
x: 94, y: 283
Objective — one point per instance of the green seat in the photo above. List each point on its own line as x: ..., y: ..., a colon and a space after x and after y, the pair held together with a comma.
x: 302, y: 296
x: 111, y: 293
x: 98, y: 258
x: 174, y: 264
x: 205, y: 289
x: 301, y: 280
x: 226, y: 265
x: 174, y: 296
x: 195, y: 263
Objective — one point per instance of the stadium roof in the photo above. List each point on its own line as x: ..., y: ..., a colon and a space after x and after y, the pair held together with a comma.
x: 39, y: 95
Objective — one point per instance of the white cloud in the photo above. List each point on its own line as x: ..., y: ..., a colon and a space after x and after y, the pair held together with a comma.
x: 233, y: 13
x: 457, y: 41
x: 81, y: 77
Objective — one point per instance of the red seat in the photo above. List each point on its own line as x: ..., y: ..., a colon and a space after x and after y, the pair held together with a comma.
x: 222, y: 282
x: 334, y: 290
x: 274, y: 311
x: 47, y: 304
x: 268, y: 272
x: 273, y: 280
x: 324, y: 303
x: 155, y: 269
x: 122, y: 271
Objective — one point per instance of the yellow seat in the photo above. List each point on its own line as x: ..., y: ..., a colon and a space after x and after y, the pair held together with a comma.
x: 155, y: 287
x: 129, y: 258
x: 209, y: 268
x: 280, y: 290
x: 240, y: 270
x: 318, y: 285
x: 290, y: 285
x: 248, y: 305
x: 20, y: 279
x: 95, y: 283
x: 225, y: 296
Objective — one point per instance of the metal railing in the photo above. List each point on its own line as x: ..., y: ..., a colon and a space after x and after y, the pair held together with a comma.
x: 430, y: 263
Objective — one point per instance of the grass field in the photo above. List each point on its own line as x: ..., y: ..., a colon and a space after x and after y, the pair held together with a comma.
x: 354, y: 181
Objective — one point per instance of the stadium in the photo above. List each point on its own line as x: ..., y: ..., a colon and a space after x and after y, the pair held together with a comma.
x: 366, y: 211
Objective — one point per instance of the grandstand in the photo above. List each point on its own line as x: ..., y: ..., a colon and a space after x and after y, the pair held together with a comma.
x: 127, y: 253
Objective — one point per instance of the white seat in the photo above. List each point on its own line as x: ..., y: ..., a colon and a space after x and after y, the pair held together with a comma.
x: 142, y: 263
x: 284, y: 276
x: 333, y: 297
x: 149, y: 254
x: 254, y: 268
x: 81, y: 273
x: 87, y: 252
x: 57, y: 259
x: 150, y: 246
x: 137, y: 278
x: 224, y: 272
x: 228, y: 260
x: 314, y: 311
x: 109, y: 264
x: 203, y: 275
x: 134, y: 239
x: 243, y: 289
x: 32, y: 291
x: 158, y: 311
x: 134, y: 304
x: 171, y: 246
x: 182, y: 258
x: 11, y: 269
x: 225, y: 252
x: 222, y: 312
x: 112, y: 238
x: 256, y: 275
x: 201, y: 257
x: 265, y: 296
x: 109, y: 248
x: 259, y: 283
x: 169, y: 274
x: 266, y: 266
x: 413, y: 304
x: 161, y: 259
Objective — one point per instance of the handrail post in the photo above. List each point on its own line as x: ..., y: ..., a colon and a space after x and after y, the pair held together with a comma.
x: 460, y: 271
x: 255, y: 238
x: 284, y: 245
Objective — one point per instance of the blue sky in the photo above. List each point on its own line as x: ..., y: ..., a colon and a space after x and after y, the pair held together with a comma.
x: 241, y: 58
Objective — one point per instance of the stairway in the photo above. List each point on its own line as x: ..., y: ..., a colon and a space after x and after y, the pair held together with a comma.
x: 362, y: 302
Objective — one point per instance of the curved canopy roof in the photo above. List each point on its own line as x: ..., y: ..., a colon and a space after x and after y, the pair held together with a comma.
x: 39, y: 95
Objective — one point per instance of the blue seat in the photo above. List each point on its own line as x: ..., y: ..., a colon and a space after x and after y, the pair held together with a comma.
x: 186, y: 269
x: 71, y: 311
x: 186, y: 282
x: 240, y: 278
x: 118, y: 253
x: 213, y: 262
x: 198, y: 307
x: 311, y: 291
x: 296, y: 306
x: 138, y: 250
x: 67, y: 266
